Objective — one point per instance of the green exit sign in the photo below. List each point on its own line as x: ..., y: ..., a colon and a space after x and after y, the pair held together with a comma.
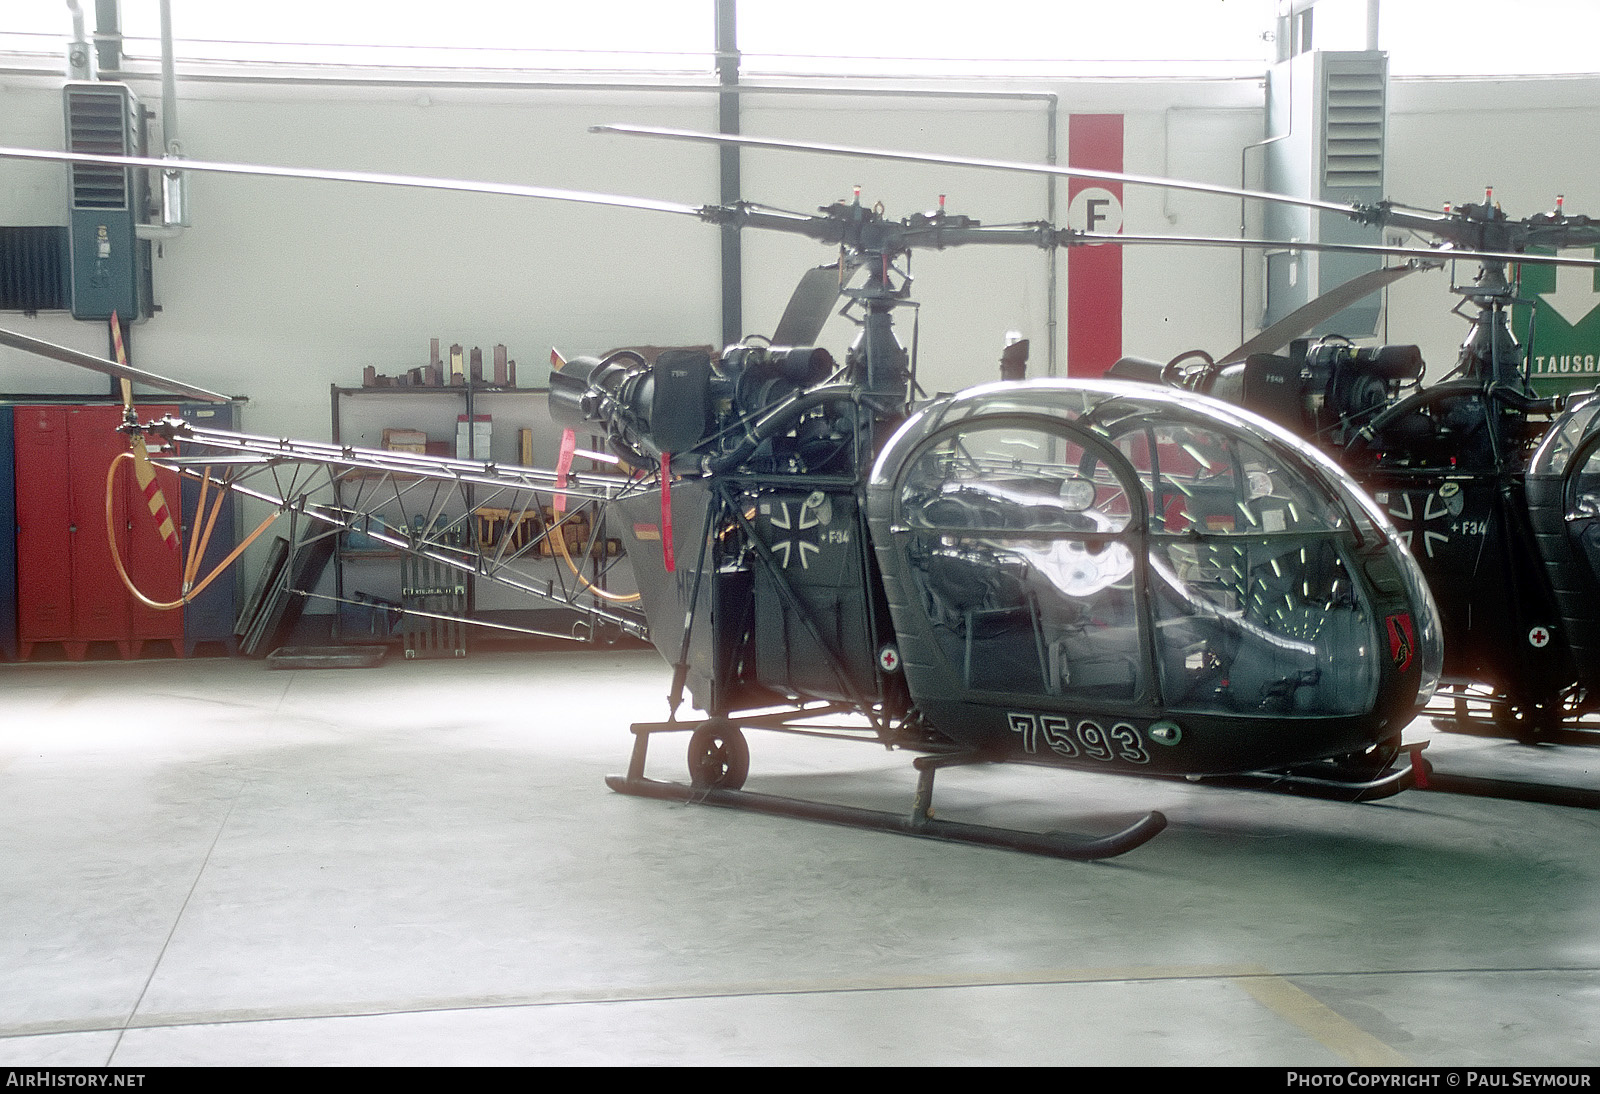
x: 1562, y: 328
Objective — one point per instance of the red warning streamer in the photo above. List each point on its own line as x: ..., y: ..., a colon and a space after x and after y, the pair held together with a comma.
x: 569, y: 445
x: 666, y: 511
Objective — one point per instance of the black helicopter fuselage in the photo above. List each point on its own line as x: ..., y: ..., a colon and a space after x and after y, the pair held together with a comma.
x: 1096, y: 575
x: 1449, y: 466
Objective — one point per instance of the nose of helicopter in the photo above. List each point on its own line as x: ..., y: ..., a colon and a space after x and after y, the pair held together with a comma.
x: 1072, y: 564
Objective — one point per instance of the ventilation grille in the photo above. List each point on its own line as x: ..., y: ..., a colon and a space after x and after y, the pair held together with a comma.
x: 97, y: 124
x: 1353, y: 136
x: 34, y: 269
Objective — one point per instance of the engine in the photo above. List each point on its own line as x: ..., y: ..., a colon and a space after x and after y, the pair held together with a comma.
x: 1328, y: 390
x: 757, y: 407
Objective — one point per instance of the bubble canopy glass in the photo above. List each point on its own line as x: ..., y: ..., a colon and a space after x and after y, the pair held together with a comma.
x: 1098, y: 542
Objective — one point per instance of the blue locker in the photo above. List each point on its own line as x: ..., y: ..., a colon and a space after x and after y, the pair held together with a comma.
x: 209, y: 617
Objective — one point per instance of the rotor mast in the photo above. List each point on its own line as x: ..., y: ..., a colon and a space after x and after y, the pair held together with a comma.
x: 878, y: 363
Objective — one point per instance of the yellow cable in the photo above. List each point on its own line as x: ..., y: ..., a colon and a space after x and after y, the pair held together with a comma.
x: 191, y: 564
x: 559, y: 534
x: 197, y: 553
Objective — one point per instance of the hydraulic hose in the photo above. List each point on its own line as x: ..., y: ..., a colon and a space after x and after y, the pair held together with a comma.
x: 196, y: 547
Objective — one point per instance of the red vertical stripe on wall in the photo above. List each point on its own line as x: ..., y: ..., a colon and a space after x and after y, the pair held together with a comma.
x: 1094, y: 274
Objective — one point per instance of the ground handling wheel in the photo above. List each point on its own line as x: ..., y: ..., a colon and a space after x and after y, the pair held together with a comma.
x: 719, y: 757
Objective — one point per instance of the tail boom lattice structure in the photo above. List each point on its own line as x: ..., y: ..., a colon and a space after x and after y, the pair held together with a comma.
x: 433, y: 508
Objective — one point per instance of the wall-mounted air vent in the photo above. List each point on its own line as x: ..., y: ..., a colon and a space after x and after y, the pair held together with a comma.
x: 1327, y: 114
x: 1353, y: 132
x: 110, y: 263
x: 99, y: 123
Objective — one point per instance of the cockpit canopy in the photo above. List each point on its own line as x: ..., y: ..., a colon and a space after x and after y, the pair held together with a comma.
x: 1099, y: 542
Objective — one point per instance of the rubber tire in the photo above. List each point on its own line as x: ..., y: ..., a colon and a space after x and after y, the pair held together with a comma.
x: 719, y: 757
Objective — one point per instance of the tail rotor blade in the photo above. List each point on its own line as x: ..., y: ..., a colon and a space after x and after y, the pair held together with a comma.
x: 144, y: 474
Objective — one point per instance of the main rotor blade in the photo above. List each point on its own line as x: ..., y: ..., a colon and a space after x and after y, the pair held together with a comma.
x: 1421, y: 254
x: 109, y: 368
x: 509, y: 189
x: 809, y: 307
x: 1323, y: 308
x: 967, y: 161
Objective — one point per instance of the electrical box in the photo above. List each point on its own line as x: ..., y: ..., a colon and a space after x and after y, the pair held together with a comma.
x: 110, y: 263
x: 34, y: 269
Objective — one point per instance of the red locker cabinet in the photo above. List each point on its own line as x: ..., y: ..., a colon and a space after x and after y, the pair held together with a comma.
x: 68, y: 590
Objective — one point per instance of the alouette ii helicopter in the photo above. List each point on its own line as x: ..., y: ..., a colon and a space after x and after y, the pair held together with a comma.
x: 1104, y: 575
x: 1480, y: 472
x: 1492, y: 483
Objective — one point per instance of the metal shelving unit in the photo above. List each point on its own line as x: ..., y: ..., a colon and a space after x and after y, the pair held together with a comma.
x: 358, y: 417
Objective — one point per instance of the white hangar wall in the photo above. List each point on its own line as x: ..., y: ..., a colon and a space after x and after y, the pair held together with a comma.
x: 282, y: 287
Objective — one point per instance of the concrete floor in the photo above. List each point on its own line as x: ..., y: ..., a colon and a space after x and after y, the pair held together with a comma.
x: 214, y: 863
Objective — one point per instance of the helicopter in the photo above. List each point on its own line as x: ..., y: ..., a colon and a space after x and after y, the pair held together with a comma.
x: 1099, y: 575
x: 1475, y: 470
x: 1452, y: 464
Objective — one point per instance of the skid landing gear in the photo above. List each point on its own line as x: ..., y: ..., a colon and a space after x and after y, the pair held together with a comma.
x: 719, y: 761
x: 1575, y: 797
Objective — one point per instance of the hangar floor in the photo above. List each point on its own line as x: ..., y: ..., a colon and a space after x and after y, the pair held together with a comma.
x: 213, y: 863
